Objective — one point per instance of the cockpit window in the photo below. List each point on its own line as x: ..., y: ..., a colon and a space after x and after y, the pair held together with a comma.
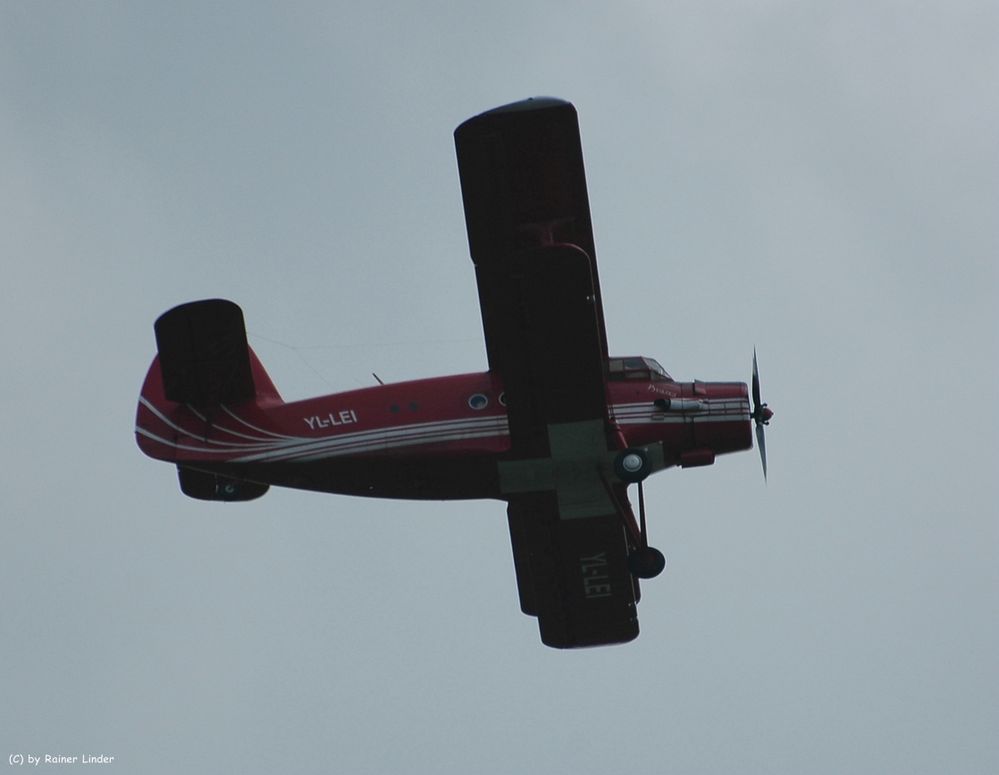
x: 658, y: 372
x: 636, y: 369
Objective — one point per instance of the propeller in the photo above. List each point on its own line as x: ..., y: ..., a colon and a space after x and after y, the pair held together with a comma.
x: 761, y: 414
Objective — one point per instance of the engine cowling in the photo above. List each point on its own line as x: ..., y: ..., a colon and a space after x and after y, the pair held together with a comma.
x: 693, y: 458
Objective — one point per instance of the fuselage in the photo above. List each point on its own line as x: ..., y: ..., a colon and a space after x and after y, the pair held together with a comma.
x: 442, y: 438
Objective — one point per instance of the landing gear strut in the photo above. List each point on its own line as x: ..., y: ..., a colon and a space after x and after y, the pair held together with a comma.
x: 644, y: 562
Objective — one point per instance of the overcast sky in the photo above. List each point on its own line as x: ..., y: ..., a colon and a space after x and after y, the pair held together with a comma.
x: 818, y: 180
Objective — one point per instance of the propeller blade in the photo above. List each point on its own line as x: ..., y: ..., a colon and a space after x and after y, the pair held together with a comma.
x: 761, y: 443
x: 761, y: 415
x: 756, y: 385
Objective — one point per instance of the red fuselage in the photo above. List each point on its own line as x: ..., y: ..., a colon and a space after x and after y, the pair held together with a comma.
x: 441, y: 438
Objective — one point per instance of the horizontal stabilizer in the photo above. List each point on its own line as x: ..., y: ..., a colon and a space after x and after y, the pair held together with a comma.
x: 203, y: 353
x: 215, y: 487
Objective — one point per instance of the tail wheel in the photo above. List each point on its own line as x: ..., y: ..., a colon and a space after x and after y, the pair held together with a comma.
x: 632, y: 465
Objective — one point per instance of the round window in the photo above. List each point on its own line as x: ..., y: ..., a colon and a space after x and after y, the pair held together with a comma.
x: 478, y: 401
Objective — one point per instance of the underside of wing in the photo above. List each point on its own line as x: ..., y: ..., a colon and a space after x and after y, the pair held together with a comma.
x: 522, y: 179
x: 573, y: 574
x: 544, y: 333
x: 530, y: 237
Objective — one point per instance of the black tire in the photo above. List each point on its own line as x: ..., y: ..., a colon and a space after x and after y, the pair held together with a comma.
x: 646, y: 563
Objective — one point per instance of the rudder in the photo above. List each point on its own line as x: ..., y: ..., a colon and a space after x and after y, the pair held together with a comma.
x: 203, y: 352
x: 203, y: 367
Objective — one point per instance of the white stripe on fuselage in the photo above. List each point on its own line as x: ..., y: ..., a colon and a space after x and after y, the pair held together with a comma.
x: 280, y: 447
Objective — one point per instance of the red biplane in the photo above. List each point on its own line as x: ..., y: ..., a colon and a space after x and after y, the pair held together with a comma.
x: 556, y: 427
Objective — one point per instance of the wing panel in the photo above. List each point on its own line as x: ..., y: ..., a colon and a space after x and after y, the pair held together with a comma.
x: 546, y: 341
x: 523, y: 186
x: 522, y: 179
x: 531, y: 239
x: 572, y: 574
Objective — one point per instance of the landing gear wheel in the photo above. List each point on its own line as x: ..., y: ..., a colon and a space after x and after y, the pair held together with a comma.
x: 646, y: 563
x: 632, y: 465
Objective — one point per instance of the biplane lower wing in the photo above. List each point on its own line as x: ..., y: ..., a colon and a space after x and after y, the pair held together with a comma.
x: 572, y: 574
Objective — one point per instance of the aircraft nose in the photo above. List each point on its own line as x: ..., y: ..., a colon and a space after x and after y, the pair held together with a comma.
x: 767, y: 414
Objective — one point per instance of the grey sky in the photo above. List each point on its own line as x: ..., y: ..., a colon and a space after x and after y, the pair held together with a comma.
x: 817, y: 180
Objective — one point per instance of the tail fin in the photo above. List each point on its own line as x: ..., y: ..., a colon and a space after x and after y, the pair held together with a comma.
x: 204, y: 372
x: 204, y: 355
x: 204, y: 358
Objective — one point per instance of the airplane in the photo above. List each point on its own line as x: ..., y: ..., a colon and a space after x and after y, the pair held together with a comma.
x: 555, y: 427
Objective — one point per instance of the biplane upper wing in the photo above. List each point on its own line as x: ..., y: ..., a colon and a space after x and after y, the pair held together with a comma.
x: 530, y: 236
x: 531, y: 239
